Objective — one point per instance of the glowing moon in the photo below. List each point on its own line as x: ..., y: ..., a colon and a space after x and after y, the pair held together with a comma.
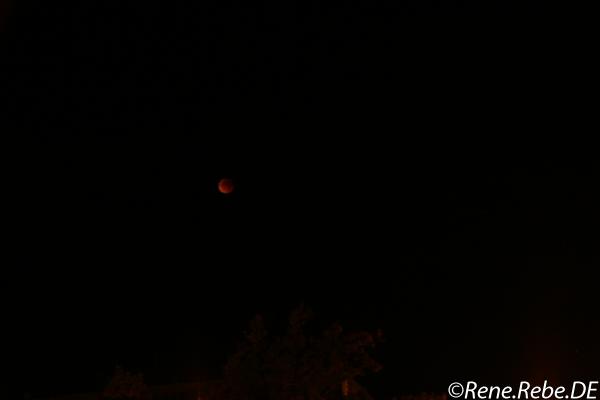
x: 226, y: 186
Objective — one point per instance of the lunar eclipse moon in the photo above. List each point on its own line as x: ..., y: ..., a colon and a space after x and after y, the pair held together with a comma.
x: 226, y: 186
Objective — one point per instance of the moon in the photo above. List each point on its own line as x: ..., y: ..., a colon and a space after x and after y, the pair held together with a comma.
x: 226, y: 186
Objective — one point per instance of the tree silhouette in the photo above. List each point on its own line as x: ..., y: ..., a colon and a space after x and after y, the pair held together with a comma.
x: 125, y: 385
x: 300, y: 366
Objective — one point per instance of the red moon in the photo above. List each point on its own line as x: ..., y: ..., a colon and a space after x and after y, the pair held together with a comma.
x: 226, y: 186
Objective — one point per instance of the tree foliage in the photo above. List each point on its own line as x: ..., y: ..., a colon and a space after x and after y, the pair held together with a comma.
x: 125, y: 385
x: 298, y: 365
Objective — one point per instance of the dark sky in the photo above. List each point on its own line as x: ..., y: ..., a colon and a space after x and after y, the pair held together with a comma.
x: 341, y: 127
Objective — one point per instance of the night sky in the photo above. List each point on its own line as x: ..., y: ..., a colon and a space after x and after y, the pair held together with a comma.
x: 357, y: 192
